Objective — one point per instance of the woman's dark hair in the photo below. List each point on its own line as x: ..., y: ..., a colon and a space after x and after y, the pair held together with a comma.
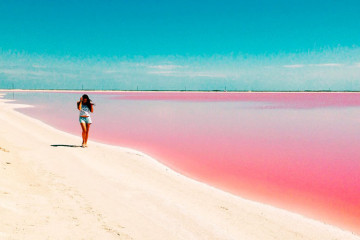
x: 88, y: 102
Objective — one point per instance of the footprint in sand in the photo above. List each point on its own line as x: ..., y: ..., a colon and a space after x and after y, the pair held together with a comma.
x: 3, y: 149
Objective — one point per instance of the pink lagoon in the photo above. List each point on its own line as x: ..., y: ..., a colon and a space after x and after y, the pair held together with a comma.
x: 297, y: 151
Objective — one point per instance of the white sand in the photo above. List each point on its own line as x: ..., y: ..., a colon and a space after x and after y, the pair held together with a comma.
x: 106, y: 192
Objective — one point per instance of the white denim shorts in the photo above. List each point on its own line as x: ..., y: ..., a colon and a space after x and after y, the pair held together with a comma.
x: 85, y: 120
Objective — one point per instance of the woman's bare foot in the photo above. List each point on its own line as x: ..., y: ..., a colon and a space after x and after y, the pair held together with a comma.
x: 83, y: 145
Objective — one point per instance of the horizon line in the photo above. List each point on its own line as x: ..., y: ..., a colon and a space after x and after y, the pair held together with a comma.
x: 173, y: 90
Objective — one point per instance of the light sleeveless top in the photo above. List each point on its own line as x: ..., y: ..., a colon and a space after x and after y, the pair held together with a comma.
x: 85, y: 111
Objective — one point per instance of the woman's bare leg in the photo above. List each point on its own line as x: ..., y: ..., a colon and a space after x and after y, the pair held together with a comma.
x: 87, y: 133
x: 83, y: 127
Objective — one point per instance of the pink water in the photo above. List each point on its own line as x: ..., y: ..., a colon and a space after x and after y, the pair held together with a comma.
x: 298, y: 151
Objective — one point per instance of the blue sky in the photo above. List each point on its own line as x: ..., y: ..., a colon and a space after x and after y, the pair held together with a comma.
x: 244, y: 45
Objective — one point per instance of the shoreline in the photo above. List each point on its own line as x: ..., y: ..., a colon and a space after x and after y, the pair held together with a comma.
x: 168, y: 91
x: 154, y: 200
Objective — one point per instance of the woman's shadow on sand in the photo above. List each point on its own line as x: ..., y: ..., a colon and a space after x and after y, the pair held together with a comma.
x: 64, y: 145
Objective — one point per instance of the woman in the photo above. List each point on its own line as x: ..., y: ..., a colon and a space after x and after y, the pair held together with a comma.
x: 85, y: 106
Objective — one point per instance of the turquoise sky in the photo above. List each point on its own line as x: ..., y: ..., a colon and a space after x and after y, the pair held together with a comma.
x: 237, y: 45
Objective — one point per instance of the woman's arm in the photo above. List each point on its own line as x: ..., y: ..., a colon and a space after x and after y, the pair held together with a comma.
x: 92, y: 109
x: 80, y: 103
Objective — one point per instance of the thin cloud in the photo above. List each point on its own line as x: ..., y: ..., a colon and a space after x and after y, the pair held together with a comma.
x: 38, y: 66
x: 190, y: 74
x: 294, y: 66
x: 22, y: 72
x: 327, y: 65
x: 206, y: 74
x: 112, y: 71
x: 168, y: 67
x: 314, y: 65
x: 166, y: 73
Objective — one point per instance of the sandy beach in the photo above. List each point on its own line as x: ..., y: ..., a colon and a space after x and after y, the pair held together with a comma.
x: 50, y: 188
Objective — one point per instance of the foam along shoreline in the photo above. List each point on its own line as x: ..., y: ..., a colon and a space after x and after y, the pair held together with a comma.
x: 51, y: 188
